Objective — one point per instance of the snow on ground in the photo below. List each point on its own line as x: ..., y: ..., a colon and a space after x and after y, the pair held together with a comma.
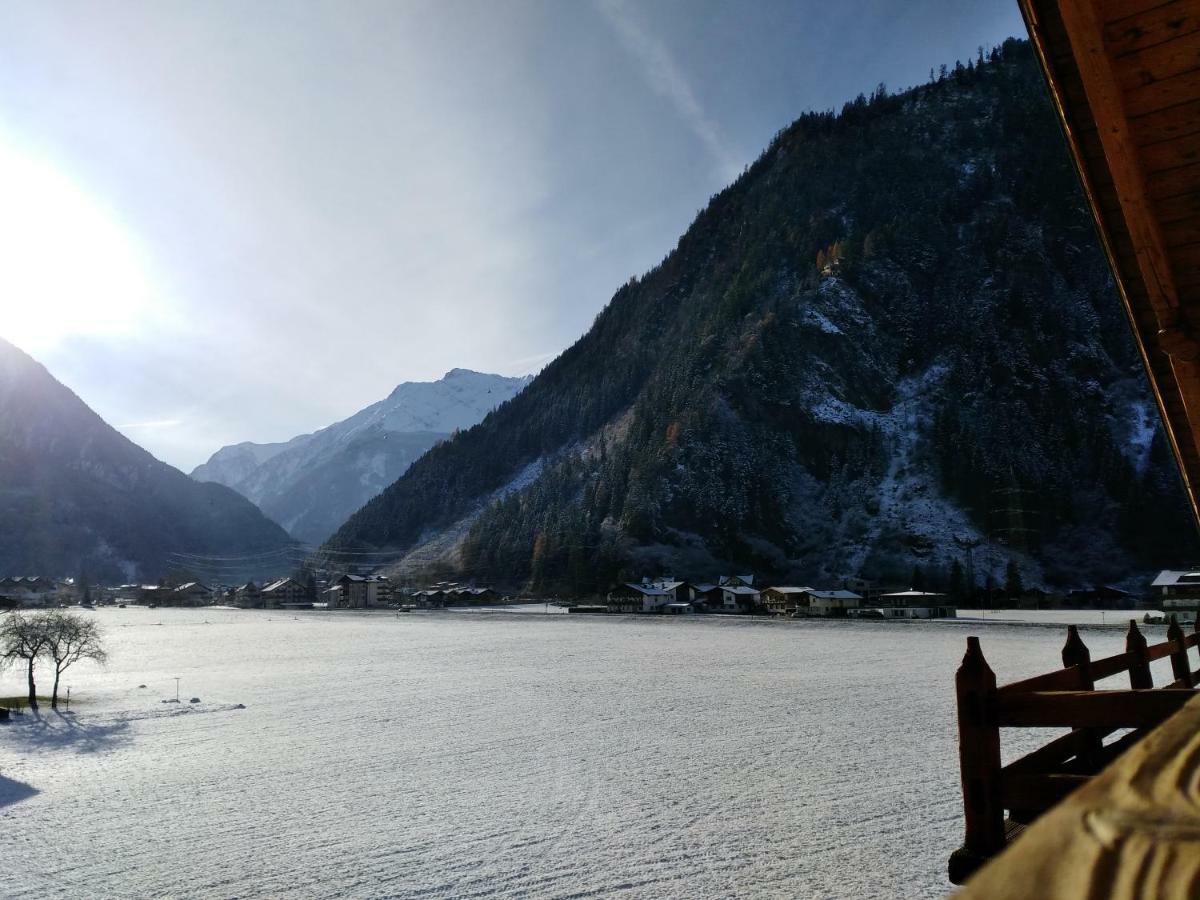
x: 484, y: 755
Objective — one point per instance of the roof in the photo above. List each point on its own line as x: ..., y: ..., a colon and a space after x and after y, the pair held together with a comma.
x: 788, y: 590
x: 647, y: 590
x: 1125, y: 80
x: 1168, y: 577
x: 191, y: 585
x: 834, y: 595
x: 747, y: 579
x: 282, y: 582
x: 705, y: 588
x: 739, y: 589
x: 911, y: 592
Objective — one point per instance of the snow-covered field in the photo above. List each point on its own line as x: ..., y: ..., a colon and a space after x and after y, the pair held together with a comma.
x: 485, y: 755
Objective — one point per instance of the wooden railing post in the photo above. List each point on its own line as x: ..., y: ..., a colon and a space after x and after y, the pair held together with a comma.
x: 1139, y: 663
x: 979, y: 761
x: 1179, y: 660
x: 1076, y: 653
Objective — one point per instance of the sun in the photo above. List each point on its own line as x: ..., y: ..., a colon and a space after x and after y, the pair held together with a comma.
x: 68, y: 266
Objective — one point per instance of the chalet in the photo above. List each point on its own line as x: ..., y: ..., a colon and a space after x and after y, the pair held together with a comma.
x: 283, y: 592
x: 193, y: 593
x: 831, y: 603
x: 784, y: 601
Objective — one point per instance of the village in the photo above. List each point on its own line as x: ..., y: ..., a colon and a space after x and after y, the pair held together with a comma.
x: 1171, y: 592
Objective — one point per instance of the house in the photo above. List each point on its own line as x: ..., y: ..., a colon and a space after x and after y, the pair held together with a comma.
x: 359, y: 592
x: 914, y: 604
x: 784, y: 601
x: 283, y: 592
x: 482, y: 596
x: 706, y: 595
x: 193, y: 593
x: 1176, y: 590
x: 682, y: 591
x: 30, y: 590
x: 739, y: 597
x: 911, y: 597
x: 152, y: 594
x: 643, y: 597
x: 248, y: 596
x: 831, y: 603
x: 430, y: 598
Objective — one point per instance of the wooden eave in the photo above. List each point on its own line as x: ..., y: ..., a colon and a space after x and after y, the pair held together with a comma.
x: 1124, y: 76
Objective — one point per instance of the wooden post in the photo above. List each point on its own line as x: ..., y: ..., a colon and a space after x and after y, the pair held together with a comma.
x: 1076, y: 653
x: 1179, y: 660
x: 979, y: 761
x: 1139, y: 666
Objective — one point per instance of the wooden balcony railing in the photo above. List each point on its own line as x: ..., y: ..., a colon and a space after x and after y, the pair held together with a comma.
x: 1064, y: 698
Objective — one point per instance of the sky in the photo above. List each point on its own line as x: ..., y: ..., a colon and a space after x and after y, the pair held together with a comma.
x: 232, y: 221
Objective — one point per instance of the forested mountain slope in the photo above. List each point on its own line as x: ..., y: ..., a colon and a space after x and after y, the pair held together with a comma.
x: 77, y: 498
x: 892, y: 345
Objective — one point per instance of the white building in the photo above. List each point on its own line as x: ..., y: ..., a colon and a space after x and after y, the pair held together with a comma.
x: 1177, y: 590
x: 831, y: 603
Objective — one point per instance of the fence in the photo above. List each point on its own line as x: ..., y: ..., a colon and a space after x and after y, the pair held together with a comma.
x: 1066, y: 697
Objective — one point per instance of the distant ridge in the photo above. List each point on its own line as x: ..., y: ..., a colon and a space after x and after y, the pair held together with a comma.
x: 77, y: 498
x: 312, y: 483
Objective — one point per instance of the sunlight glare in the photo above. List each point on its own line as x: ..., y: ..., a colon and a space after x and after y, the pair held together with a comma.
x: 67, y: 265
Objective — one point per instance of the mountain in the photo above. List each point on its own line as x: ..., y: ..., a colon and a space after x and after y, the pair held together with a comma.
x: 78, y: 498
x: 312, y: 483
x: 891, y: 349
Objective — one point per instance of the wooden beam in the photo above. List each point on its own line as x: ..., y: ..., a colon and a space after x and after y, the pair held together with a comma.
x: 1031, y: 793
x: 1090, y: 709
x: 1105, y: 99
x: 1155, y: 318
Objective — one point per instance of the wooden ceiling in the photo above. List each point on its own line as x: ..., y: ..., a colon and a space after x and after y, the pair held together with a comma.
x: 1125, y: 77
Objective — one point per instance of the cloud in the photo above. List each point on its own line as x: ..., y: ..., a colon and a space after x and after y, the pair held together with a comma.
x: 528, y: 364
x: 666, y: 79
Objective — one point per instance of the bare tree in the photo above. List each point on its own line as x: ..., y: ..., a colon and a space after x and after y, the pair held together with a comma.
x: 70, y: 637
x: 23, y: 638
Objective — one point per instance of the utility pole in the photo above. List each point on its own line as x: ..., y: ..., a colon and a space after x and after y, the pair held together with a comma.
x: 176, y: 688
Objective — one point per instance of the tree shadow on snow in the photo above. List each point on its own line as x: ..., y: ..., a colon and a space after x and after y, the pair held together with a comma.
x: 14, y: 791
x: 55, y: 730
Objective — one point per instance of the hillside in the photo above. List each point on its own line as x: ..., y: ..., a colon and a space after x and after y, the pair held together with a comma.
x: 312, y: 483
x: 77, y: 498
x: 891, y: 349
